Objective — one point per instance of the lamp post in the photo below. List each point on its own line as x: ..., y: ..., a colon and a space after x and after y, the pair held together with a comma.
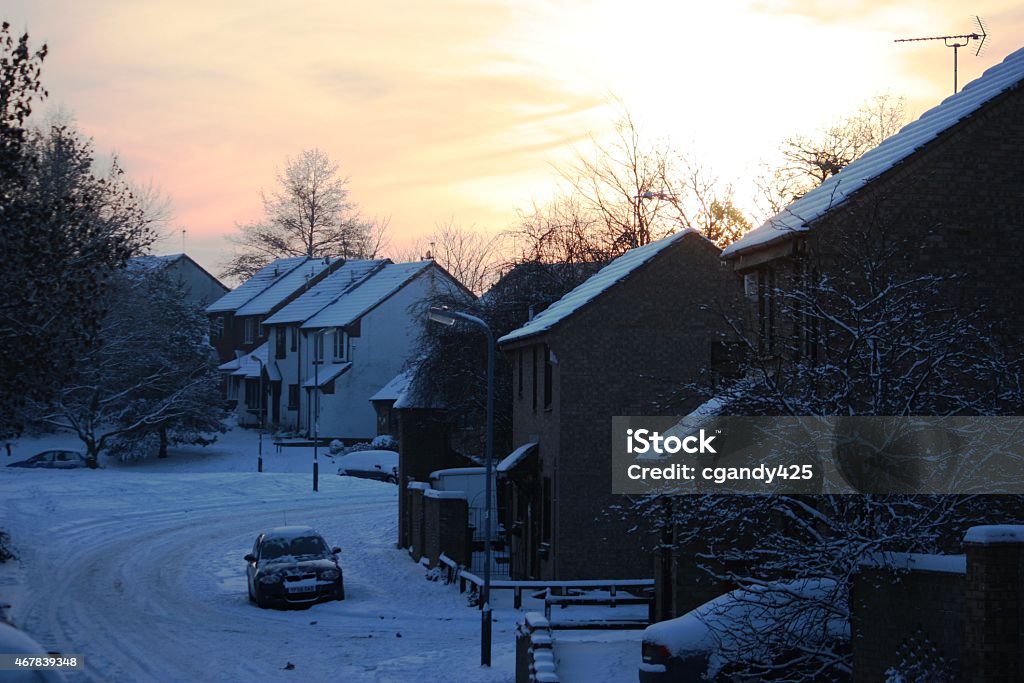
x: 319, y: 354
x: 263, y: 414
x: 444, y: 316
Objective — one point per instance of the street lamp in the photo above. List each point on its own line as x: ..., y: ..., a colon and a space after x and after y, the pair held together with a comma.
x: 319, y: 354
x: 263, y: 414
x: 444, y: 316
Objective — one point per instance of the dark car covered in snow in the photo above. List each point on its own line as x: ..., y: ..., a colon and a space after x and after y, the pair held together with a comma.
x: 293, y: 565
x: 54, y: 460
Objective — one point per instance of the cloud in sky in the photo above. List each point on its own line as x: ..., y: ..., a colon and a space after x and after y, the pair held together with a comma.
x: 459, y: 108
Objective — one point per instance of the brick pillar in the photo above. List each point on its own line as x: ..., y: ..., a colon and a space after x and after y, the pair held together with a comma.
x: 453, y: 521
x: 995, y: 603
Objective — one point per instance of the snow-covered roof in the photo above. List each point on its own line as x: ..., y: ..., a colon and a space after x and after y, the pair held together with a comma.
x: 372, y: 291
x: 835, y: 190
x: 264, y: 278
x: 248, y: 365
x: 414, y: 395
x: 995, y: 533
x: 395, y: 388
x: 252, y: 364
x: 284, y: 287
x: 151, y: 263
x: 604, y: 279
x: 325, y: 292
x: 327, y: 375
x: 515, y: 457
x: 945, y: 564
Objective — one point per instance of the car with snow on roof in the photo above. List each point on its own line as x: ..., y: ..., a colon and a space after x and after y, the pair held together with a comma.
x: 760, y: 629
x: 293, y: 566
x: 370, y: 464
x: 57, y: 459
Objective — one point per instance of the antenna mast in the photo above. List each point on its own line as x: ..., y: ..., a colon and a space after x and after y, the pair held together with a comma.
x: 956, y: 43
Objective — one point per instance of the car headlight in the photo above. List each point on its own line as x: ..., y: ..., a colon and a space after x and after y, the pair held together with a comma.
x: 329, y: 574
x: 271, y: 578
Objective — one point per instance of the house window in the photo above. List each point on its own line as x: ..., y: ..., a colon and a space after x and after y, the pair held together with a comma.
x: 216, y: 328
x: 259, y: 328
x: 767, y: 309
x: 293, y: 397
x: 533, y: 384
x: 280, y: 339
x: 318, y: 348
x: 341, y: 346
x: 295, y: 340
x: 250, y: 331
x: 807, y: 334
x: 548, y: 372
x: 252, y: 395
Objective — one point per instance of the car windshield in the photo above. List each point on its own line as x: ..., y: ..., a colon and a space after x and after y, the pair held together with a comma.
x: 274, y: 548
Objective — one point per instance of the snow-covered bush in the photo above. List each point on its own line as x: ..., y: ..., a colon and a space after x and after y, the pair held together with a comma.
x: 384, y: 442
x: 336, y: 447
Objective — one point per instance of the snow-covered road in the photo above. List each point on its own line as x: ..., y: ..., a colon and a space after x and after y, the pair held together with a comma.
x: 140, y: 571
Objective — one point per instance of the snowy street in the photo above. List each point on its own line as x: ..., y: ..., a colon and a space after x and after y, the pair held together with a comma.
x: 138, y: 568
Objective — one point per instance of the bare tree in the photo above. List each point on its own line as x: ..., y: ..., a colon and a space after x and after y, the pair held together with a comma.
x: 613, y: 185
x: 623, y: 194
x: 807, y: 161
x: 470, y: 255
x: 309, y: 214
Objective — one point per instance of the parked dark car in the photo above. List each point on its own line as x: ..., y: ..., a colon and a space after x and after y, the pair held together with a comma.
x: 293, y: 565
x: 55, y: 459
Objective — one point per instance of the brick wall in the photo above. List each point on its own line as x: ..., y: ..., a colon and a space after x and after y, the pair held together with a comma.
x: 628, y: 353
x: 899, y: 615
x: 445, y: 520
x: 423, y: 448
x: 932, y: 620
x: 995, y: 606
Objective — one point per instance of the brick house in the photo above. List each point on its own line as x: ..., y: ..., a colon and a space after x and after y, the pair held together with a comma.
x: 641, y: 328
x: 948, y: 187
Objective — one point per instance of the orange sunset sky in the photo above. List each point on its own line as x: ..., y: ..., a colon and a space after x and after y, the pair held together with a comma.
x: 461, y: 109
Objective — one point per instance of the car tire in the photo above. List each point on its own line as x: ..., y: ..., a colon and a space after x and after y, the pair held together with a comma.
x: 261, y: 601
x: 341, y: 593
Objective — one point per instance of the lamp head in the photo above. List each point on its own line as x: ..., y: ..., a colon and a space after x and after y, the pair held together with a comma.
x: 440, y: 314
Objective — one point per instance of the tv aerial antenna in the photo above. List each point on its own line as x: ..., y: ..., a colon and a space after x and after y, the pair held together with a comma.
x: 956, y: 42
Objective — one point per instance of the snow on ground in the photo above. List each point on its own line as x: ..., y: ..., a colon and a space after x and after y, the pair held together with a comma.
x: 138, y: 568
x: 597, y: 656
